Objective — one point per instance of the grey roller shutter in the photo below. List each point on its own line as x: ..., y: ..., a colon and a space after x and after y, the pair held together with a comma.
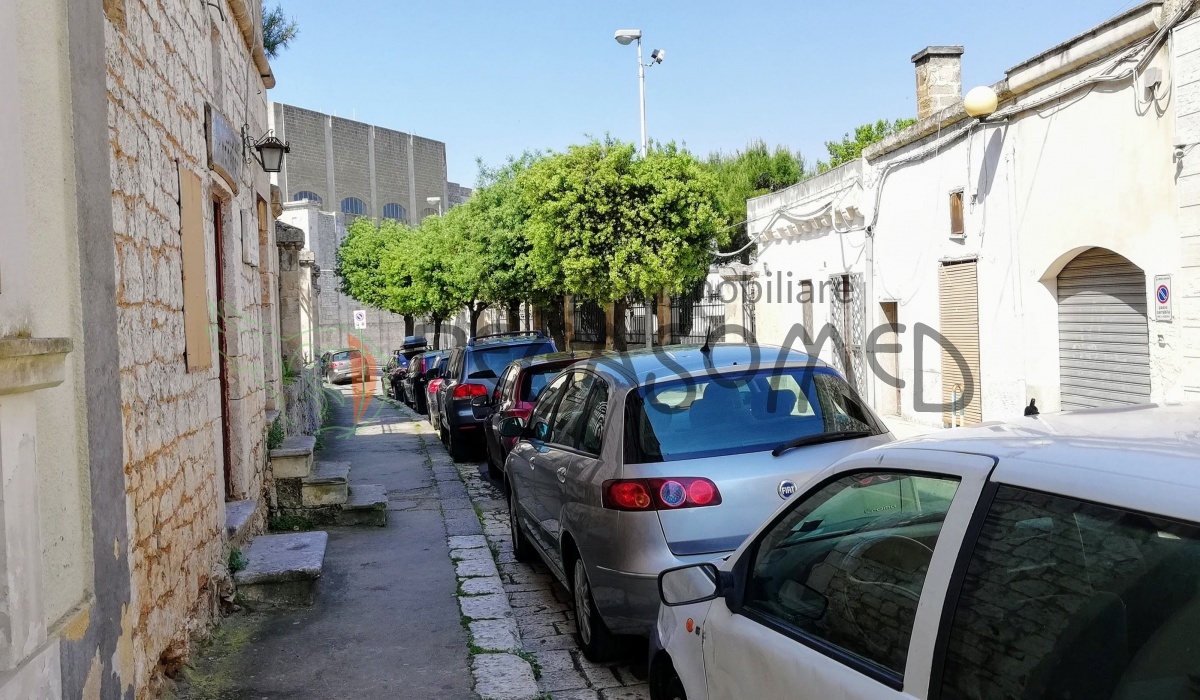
x: 958, y: 292
x: 1103, y: 336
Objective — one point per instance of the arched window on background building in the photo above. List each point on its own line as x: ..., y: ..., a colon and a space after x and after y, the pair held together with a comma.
x: 394, y: 211
x: 353, y: 205
x: 305, y: 194
x: 428, y: 211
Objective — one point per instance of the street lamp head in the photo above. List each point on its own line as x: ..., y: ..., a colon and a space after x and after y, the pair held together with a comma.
x: 433, y: 200
x: 658, y: 55
x: 625, y: 37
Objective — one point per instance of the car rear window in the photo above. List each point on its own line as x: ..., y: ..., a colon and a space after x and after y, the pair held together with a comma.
x: 535, y: 379
x: 346, y: 355
x: 747, y: 412
x: 489, y: 362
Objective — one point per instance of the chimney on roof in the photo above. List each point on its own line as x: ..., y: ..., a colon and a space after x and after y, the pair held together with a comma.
x: 939, y: 78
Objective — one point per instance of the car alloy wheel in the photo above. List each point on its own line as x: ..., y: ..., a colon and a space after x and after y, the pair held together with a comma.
x: 522, y: 550
x: 598, y: 644
x: 583, y: 603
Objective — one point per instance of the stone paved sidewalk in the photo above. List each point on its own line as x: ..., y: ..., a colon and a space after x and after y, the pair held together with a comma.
x: 521, y: 623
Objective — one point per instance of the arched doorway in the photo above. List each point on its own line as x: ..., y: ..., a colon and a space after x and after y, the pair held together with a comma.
x: 1103, y: 335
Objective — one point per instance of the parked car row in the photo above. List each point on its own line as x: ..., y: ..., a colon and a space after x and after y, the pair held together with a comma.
x: 757, y: 522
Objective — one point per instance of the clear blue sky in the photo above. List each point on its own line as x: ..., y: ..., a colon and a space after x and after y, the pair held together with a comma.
x: 492, y: 78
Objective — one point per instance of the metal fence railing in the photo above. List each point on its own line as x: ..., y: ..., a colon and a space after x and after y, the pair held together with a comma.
x: 696, y: 314
x: 589, y: 322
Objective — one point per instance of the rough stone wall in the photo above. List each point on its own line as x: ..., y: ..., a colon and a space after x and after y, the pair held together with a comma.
x: 391, y: 170
x: 939, y: 79
x: 160, y: 60
x: 429, y: 156
x: 351, y: 164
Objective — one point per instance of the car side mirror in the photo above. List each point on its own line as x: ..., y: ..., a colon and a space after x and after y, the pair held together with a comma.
x: 684, y: 585
x: 481, y: 400
x: 541, y: 431
x: 511, y: 427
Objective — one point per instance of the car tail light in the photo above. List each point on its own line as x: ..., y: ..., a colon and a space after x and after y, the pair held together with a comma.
x: 469, y: 390
x: 672, y: 493
x: 434, y: 384
x: 340, y: 363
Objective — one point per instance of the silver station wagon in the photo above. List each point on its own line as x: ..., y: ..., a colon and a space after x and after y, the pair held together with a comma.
x: 634, y: 463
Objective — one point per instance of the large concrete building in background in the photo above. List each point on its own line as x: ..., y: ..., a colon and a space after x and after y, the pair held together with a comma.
x: 361, y: 170
x: 339, y: 169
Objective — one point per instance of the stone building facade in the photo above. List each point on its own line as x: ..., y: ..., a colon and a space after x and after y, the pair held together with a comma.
x: 183, y: 79
x: 138, y: 333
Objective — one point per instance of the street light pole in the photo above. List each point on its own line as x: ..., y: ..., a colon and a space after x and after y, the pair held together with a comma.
x: 642, y: 90
x: 626, y: 37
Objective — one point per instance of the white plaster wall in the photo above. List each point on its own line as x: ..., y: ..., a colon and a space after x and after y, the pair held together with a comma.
x: 815, y: 256
x: 1090, y: 172
x: 53, y: 284
x: 1095, y: 173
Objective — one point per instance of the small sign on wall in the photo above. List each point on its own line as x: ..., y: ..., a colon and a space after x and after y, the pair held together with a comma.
x: 224, y: 146
x: 360, y: 320
x: 1162, y: 298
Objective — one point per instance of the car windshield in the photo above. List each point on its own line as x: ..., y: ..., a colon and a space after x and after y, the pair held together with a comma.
x: 489, y: 362
x: 535, y: 379
x: 745, y: 412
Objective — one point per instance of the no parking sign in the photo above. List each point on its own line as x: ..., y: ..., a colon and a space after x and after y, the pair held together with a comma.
x: 1162, y: 298
x: 360, y: 320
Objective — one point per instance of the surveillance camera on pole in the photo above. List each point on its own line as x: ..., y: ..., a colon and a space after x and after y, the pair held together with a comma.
x: 658, y: 55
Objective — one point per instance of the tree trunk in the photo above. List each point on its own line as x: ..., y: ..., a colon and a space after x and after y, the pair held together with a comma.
x: 514, y: 315
x: 437, y: 333
x: 408, y: 325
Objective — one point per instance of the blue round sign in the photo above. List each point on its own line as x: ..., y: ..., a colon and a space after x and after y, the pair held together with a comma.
x: 787, y: 489
x: 1163, y: 294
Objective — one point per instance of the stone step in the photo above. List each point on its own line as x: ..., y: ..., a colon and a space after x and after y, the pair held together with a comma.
x: 239, y: 520
x: 327, y: 485
x: 367, y: 505
x: 294, y: 458
x: 282, y: 570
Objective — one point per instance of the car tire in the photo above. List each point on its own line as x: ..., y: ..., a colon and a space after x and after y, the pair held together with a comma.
x: 522, y: 549
x: 596, y: 641
x: 493, y: 471
x: 455, y: 444
x: 674, y: 689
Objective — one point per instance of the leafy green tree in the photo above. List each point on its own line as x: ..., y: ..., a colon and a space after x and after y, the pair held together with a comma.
x: 605, y: 224
x: 749, y: 173
x: 419, y: 274
x: 279, y: 31
x: 849, y: 149
x: 358, y: 261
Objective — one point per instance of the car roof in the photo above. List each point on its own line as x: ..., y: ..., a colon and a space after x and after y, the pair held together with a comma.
x: 563, y: 358
x: 672, y: 361
x: 1143, y: 457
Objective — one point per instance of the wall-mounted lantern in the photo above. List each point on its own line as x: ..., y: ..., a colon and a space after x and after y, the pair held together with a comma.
x: 268, y: 150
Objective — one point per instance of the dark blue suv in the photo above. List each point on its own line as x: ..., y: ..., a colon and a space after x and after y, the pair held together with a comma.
x: 471, y: 375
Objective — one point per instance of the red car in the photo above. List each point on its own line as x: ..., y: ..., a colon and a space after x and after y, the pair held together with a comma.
x: 515, y: 393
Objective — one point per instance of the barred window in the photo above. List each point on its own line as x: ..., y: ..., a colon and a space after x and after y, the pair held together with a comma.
x: 395, y: 211
x: 353, y: 205
x: 305, y: 194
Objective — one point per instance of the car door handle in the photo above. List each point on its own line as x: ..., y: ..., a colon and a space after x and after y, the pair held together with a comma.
x: 562, y: 475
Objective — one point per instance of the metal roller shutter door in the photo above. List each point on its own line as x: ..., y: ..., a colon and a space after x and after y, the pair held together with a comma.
x: 958, y: 291
x: 1103, y: 336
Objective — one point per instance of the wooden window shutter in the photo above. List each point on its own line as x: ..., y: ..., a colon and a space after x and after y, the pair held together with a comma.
x: 197, y: 340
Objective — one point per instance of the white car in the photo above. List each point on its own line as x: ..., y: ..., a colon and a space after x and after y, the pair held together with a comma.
x: 1053, y: 557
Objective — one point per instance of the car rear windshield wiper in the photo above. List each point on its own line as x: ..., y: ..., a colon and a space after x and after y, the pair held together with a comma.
x: 820, y: 438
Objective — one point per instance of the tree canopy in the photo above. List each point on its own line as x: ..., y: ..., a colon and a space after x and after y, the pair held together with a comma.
x: 279, y: 31
x: 605, y: 224
x: 596, y: 221
x: 749, y: 173
x: 849, y: 149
